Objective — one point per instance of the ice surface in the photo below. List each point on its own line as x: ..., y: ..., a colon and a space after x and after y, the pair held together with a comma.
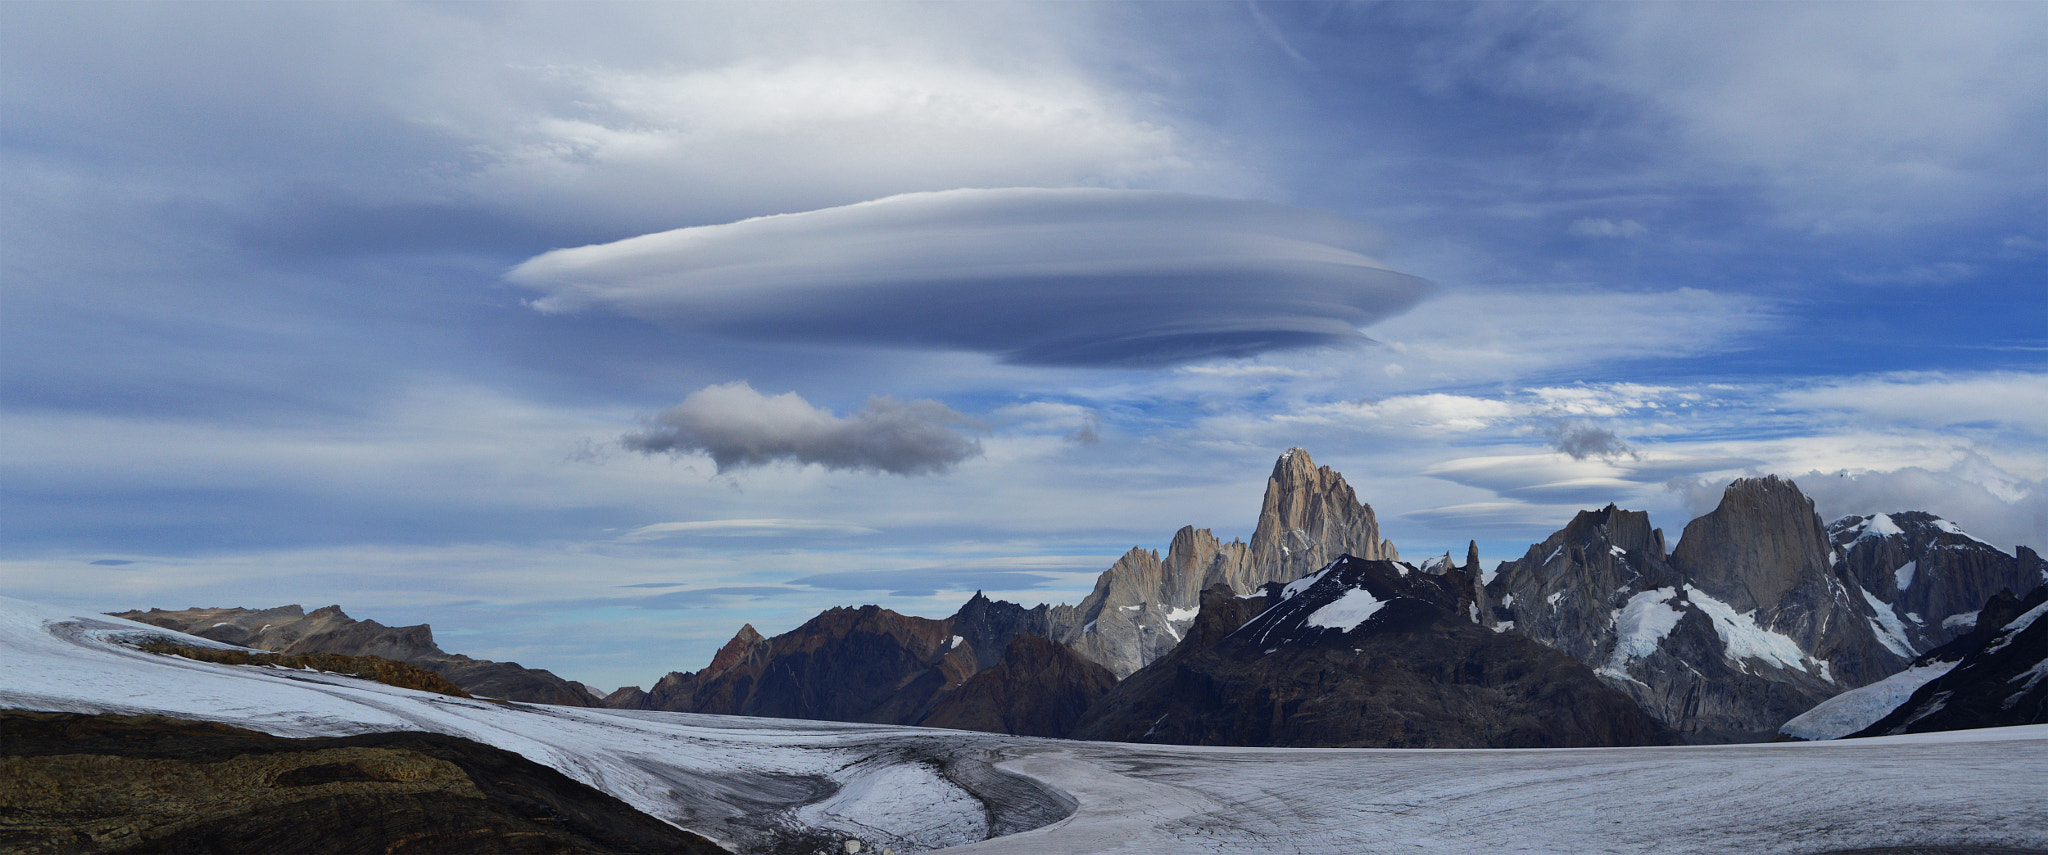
x: 1957, y: 530
x: 737, y: 779
x: 1347, y: 611
x: 1880, y: 525
x: 1904, y: 575
x: 1890, y: 631
x: 1639, y: 625
x: 1182, y: 614
x: 1859, y: 708
x: 1744, y: 640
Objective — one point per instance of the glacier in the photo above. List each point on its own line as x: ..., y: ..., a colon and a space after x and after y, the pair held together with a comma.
x: 745, y: 781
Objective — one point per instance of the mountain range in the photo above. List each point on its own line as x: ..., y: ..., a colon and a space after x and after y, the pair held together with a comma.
x: 1315, y: 632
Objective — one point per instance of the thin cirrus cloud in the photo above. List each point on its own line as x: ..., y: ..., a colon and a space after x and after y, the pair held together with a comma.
x: 747, y: 528
x: 1055, y: 277
x: 742, y: 428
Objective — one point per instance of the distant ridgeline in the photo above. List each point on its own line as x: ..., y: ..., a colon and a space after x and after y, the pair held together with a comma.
x: 1316, y: 633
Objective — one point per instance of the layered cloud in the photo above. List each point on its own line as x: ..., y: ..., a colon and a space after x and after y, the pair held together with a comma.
x: 1076, y: 277
x: 740, y: 428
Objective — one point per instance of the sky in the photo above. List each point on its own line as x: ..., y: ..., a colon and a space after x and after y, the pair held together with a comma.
x: 588, y: 333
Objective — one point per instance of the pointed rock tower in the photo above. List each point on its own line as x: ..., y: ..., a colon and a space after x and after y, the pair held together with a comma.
x: 1142, y: 605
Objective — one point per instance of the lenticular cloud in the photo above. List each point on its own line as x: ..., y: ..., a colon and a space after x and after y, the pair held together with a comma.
x: 1081, y: 277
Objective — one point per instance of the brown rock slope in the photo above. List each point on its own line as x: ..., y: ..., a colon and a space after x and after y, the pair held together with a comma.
x: 1039, y: 688
x: 866, y: 664
x: 293, y: 630
x: 146, y: 784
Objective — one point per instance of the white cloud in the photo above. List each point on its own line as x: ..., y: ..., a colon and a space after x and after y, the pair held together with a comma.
x: 740, y: 428
x: 1858, y: 117
x: 1435, y: 411
x: 773, y: 136
x: 2008, y: 401
x: 1475, y: 335
x: 1601, y: 227
x: 1047, y: 277
x: 747, y: 528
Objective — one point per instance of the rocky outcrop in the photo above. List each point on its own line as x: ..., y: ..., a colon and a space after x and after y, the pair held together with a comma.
x: 387, y: 671
x: 1142, y: 605
x: 1603, y: 591
x: 133, y: 784
x: 1039, y: 687
x: 1365, y: 653
x: 2000, y: 677
x: 291, y: 630
x: 1759, y: 615
x: 988, y: 627
x: 1924, y: 574
x: 1765, y: 554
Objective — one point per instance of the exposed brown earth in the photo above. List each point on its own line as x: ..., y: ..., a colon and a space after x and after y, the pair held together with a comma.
x: 147, y: 784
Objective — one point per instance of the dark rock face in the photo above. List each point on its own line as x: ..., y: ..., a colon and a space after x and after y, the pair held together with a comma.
x: 1603, y: 591
x: 1926, y: 572
x: 1039, y: 687
x: 1760, y: 613
x: 868, y: 664
x: 127, y: 784
x: 1999, y: 680
x: 291, y: 630
x: 989, y: 626
x: 1365, y: 654
x: 1143, y: 604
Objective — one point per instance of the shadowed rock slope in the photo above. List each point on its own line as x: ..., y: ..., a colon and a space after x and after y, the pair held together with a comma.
x: 2000, y: 678
x: 292, y: 630
x: 866, y: 664
x: 1039, y: 688
x: 146, y: 784
x: 1365, y: 654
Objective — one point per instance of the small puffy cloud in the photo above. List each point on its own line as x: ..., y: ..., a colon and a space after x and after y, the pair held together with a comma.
x: 739, y: 428
x: 1581, y: 440
x: 1078, y: 277
x: 1601, y: 227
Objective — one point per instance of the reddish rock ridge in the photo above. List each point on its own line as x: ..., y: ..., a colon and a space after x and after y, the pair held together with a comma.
x: 291, y: 630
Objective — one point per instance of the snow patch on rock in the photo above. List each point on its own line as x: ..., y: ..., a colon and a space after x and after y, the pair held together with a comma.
x: 1346, y: 612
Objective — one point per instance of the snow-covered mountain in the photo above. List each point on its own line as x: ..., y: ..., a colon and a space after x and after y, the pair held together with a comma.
x: 1365, y: 654
x: 1860, y: 708
x: 1923, y: 576
x: 1759, y: 614
x: 2000, y: 677
x: 758, y: 783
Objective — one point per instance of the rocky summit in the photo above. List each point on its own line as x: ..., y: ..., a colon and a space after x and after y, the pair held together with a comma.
x: 1142, y: 605
x: 1924, y: 575
x: 1365, y: 653
x: 1759, y: 614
